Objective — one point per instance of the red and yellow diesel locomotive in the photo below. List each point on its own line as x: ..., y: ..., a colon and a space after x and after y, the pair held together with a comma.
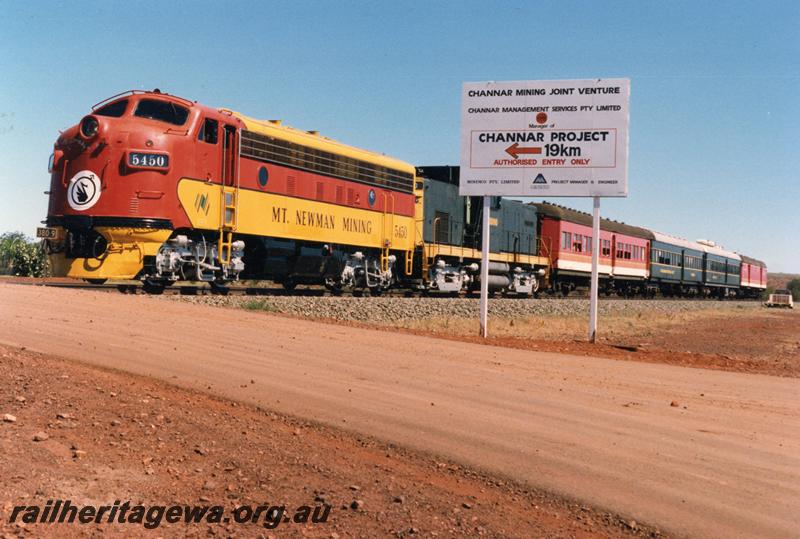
x: 158, y: 188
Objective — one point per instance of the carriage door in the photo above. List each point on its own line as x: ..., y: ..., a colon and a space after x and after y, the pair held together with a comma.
x: 230, y: 191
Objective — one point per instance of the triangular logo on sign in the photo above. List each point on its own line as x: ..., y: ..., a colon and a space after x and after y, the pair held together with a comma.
x: 539, y: 179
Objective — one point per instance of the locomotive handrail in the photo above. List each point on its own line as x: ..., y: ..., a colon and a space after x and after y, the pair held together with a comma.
x: 544, y: 242
x: 436, y: 234
x: 113, y: 97
x: 141, y: 92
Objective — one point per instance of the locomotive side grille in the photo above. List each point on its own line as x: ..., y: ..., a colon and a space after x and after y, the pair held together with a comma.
x: 133, y: 206
x: 291, y: 185
x: 339, y: 194
x: 283, y: 152
x: 442, y: 221
x: 320, y: 190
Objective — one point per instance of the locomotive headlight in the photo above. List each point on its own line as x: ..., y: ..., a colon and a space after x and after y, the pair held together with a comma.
x: 89, y: 127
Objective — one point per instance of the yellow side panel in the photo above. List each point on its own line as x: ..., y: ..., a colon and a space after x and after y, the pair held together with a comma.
x: 267, y: 214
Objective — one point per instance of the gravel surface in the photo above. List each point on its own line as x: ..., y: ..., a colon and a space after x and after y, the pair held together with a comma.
x: 392, y: 309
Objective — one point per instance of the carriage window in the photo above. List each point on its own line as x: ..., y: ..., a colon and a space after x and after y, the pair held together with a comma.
x: 566, y: 240
x: 164, y: 111
x: 208, y: 132
x: 113, y: 110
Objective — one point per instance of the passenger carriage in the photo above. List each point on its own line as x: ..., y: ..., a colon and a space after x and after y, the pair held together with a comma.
x: 567, y: 241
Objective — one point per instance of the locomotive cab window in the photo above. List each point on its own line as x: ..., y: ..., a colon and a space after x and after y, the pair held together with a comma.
x: 113, y: 110
x: 163, y: 111
x: 208, y: 131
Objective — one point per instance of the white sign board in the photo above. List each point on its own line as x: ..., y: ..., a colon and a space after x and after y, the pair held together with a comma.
x: 545, y: 138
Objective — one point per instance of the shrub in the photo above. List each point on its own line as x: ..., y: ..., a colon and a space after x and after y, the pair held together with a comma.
x: 794, y: 288
x: 21, y: 256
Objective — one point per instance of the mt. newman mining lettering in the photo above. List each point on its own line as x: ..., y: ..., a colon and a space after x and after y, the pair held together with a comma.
x: 327, y: 221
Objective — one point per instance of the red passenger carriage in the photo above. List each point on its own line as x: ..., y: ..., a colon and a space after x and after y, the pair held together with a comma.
x: 567, y: 240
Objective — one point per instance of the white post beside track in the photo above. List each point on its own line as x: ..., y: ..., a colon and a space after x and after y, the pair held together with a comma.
x: 485, y: 267
x: 595, y: 277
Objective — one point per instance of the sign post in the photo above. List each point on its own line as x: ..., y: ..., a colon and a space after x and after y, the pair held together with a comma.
x: 486, y: 234
x: 595, y: 274
x: 566, y: 138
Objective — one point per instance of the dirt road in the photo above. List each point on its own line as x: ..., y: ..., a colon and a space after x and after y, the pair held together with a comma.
x: 701, y: 452
x: 117, y: 436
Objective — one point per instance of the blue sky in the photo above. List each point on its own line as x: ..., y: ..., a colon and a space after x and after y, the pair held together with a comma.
x: 714, y: 132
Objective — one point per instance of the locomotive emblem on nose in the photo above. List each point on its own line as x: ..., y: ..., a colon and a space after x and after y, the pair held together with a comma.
x: 83, y: 191
x: 81, y: 195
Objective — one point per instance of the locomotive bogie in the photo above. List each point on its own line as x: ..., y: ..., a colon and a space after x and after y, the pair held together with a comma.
x: 453, y: 276
x: 450, y: 277
x: 196, y: 259
x: 365, y: 272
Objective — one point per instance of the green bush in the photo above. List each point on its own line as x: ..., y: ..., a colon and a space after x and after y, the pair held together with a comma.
x: 21, y: 256
x: 794, y: 288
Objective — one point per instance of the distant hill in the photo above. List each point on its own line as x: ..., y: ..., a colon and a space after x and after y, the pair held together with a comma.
x: 779, y: 280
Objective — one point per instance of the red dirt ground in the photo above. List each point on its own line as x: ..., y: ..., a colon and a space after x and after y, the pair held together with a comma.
x: 151, y: 443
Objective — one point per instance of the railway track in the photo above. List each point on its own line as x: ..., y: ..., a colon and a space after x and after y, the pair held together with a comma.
x: 203, y: 289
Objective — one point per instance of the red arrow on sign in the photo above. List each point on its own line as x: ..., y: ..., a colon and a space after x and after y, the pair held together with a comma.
x: 514, y: 150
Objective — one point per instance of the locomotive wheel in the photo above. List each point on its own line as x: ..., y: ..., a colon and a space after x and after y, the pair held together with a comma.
x: 219, y: 289
x: 154, y: 288
x: 96, y: 281
x: 289, y: 284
